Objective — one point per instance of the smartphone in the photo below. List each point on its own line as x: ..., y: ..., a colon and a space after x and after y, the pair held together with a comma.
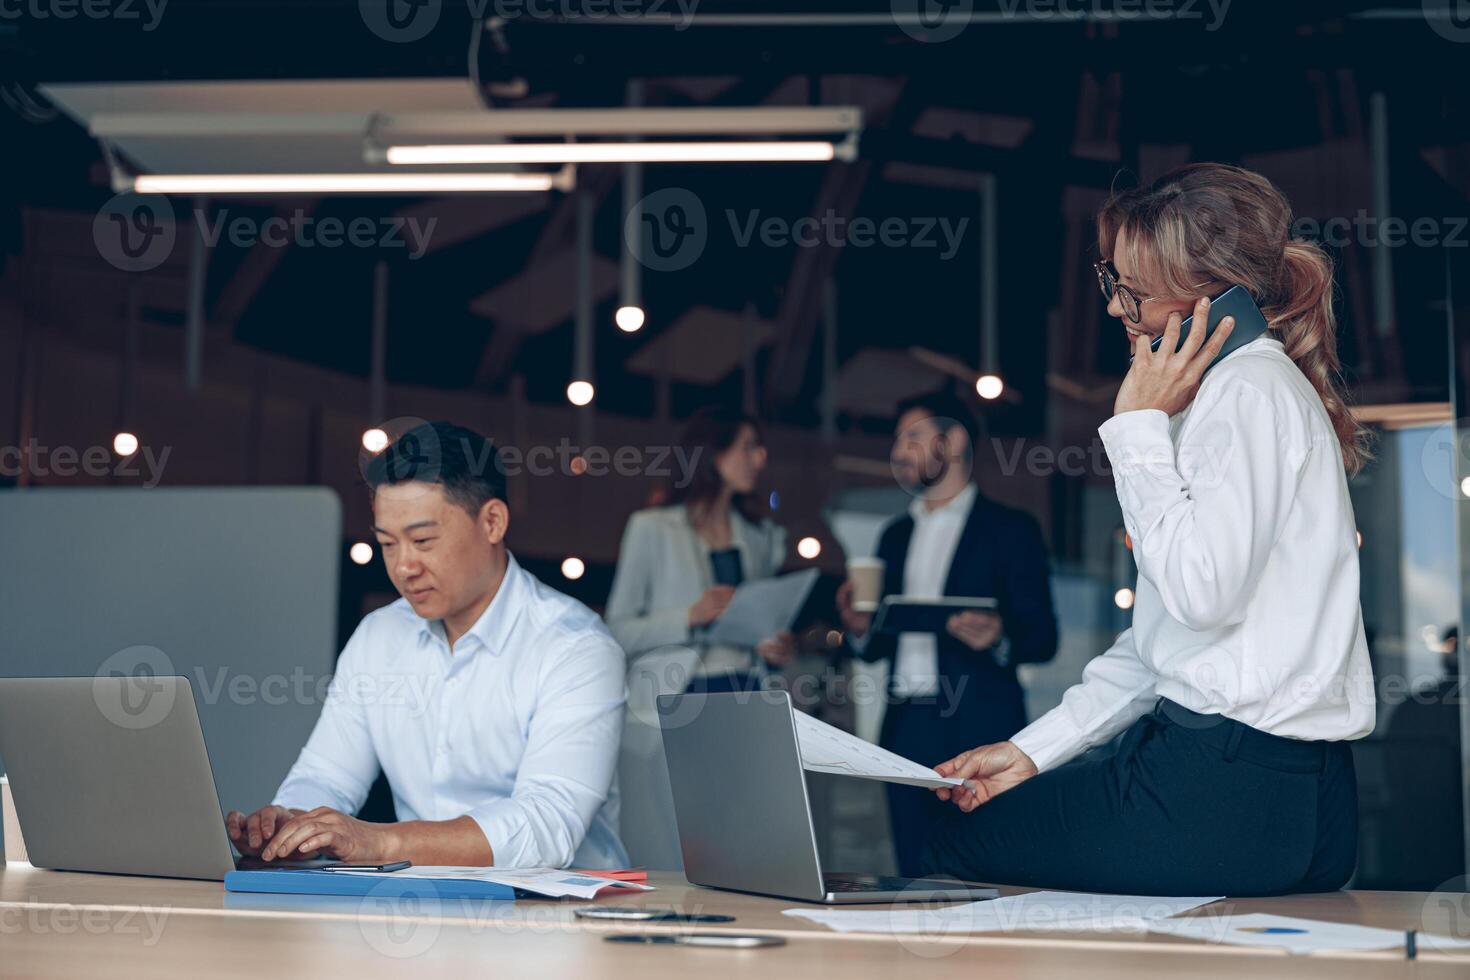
x: 393, y: 866
x: 624, y: 913
x: 1250, y: 323
x: 712, y: 939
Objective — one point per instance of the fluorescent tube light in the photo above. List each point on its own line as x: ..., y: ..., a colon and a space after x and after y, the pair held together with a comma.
x: 743, y: 151
x: 352, y: 183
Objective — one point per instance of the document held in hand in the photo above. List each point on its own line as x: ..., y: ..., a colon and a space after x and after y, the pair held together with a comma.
x: 761, y: 609
x: 831, y: 750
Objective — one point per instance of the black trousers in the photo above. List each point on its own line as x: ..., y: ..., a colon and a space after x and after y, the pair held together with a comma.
x: 1189, y: 804
x: 931, y: 730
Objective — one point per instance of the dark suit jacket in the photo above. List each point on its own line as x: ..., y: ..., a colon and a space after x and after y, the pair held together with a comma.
x: 1001, y: 555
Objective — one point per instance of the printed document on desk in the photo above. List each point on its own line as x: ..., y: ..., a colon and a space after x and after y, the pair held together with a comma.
x: 831, y: 750
x: 547, y: 882
x: 761, y: 609
x: 1298, y: 935
x: 1031, y: 912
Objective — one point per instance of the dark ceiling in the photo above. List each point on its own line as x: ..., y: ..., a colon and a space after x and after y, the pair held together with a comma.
x: 1094, y: 95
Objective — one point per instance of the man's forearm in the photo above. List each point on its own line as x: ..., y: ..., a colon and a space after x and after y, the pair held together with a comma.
x: 436, y: 842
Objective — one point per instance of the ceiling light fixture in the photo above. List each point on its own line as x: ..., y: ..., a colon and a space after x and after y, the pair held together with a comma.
x: 620, y: 135
x: 354, y: 183
x: 764, y: 151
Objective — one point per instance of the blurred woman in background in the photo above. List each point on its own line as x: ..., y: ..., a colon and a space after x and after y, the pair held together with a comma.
x: 679, y: 565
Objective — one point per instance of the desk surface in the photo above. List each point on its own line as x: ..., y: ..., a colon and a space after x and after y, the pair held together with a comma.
x: 56, y: 924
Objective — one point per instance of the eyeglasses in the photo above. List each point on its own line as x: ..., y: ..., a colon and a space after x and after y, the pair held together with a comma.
x: 1132, y: 303
x: 1107, y: 281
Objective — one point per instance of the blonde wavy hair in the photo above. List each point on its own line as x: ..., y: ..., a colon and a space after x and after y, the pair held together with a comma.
x: 1208, y: 222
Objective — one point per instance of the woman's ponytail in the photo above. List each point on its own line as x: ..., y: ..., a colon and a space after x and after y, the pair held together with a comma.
x: 1308, y: 330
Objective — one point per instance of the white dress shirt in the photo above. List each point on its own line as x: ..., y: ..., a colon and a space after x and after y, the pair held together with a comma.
x: 1243, y: 532
x: 925, y: 570
x: 518, y: 727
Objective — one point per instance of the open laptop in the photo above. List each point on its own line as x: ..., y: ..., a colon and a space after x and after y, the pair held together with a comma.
x: 745, y: 821
x: 110, y: 774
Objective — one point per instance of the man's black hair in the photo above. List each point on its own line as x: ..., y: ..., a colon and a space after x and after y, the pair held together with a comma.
x: 460, y: 460
x: 947, y: 409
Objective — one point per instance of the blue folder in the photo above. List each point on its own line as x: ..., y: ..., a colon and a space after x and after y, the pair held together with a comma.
x: 399, y: 885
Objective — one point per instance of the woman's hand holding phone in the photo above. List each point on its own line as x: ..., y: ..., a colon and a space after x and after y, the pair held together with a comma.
x: 1165, y: 379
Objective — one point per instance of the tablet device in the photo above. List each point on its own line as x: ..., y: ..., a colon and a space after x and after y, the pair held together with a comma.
x: 910, y: 614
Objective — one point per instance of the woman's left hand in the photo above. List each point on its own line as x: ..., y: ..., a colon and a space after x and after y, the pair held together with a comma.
x: 1168, y: 380
x: 778, y: 650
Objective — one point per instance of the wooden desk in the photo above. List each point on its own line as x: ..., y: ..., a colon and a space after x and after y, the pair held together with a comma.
x: 60, y: 924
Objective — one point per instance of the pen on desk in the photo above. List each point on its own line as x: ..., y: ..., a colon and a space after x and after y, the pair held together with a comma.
x: 1410, y: 945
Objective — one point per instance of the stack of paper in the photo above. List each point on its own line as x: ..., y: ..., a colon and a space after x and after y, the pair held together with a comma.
x: 1040, y: 911
x: 548, y: 882
x: 831, y: 750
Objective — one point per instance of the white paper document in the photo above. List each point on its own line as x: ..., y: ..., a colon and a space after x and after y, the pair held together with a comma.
x: 1297, y: 935
x: 831, y: 750
x: 547, y: 882
x: 761, y: 609
x: 1036, y: 911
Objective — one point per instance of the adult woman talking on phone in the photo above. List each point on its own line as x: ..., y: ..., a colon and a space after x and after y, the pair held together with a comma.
x: 1245, y: 672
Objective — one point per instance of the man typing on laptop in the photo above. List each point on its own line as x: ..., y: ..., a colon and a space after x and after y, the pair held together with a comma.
x: 493, y: 704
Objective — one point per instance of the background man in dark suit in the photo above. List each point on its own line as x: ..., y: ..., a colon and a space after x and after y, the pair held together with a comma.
x: 952, y: 691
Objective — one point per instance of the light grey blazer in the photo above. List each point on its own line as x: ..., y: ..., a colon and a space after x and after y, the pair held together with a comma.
x: 664, y: 566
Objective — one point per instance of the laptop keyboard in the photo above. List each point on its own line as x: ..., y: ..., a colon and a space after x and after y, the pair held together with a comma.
x: 848, y: 884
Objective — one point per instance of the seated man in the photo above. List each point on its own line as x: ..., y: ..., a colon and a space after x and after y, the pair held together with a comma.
x: 493, y: 704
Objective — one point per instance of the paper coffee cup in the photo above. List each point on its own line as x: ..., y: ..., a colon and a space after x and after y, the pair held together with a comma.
x: 866, y: 576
